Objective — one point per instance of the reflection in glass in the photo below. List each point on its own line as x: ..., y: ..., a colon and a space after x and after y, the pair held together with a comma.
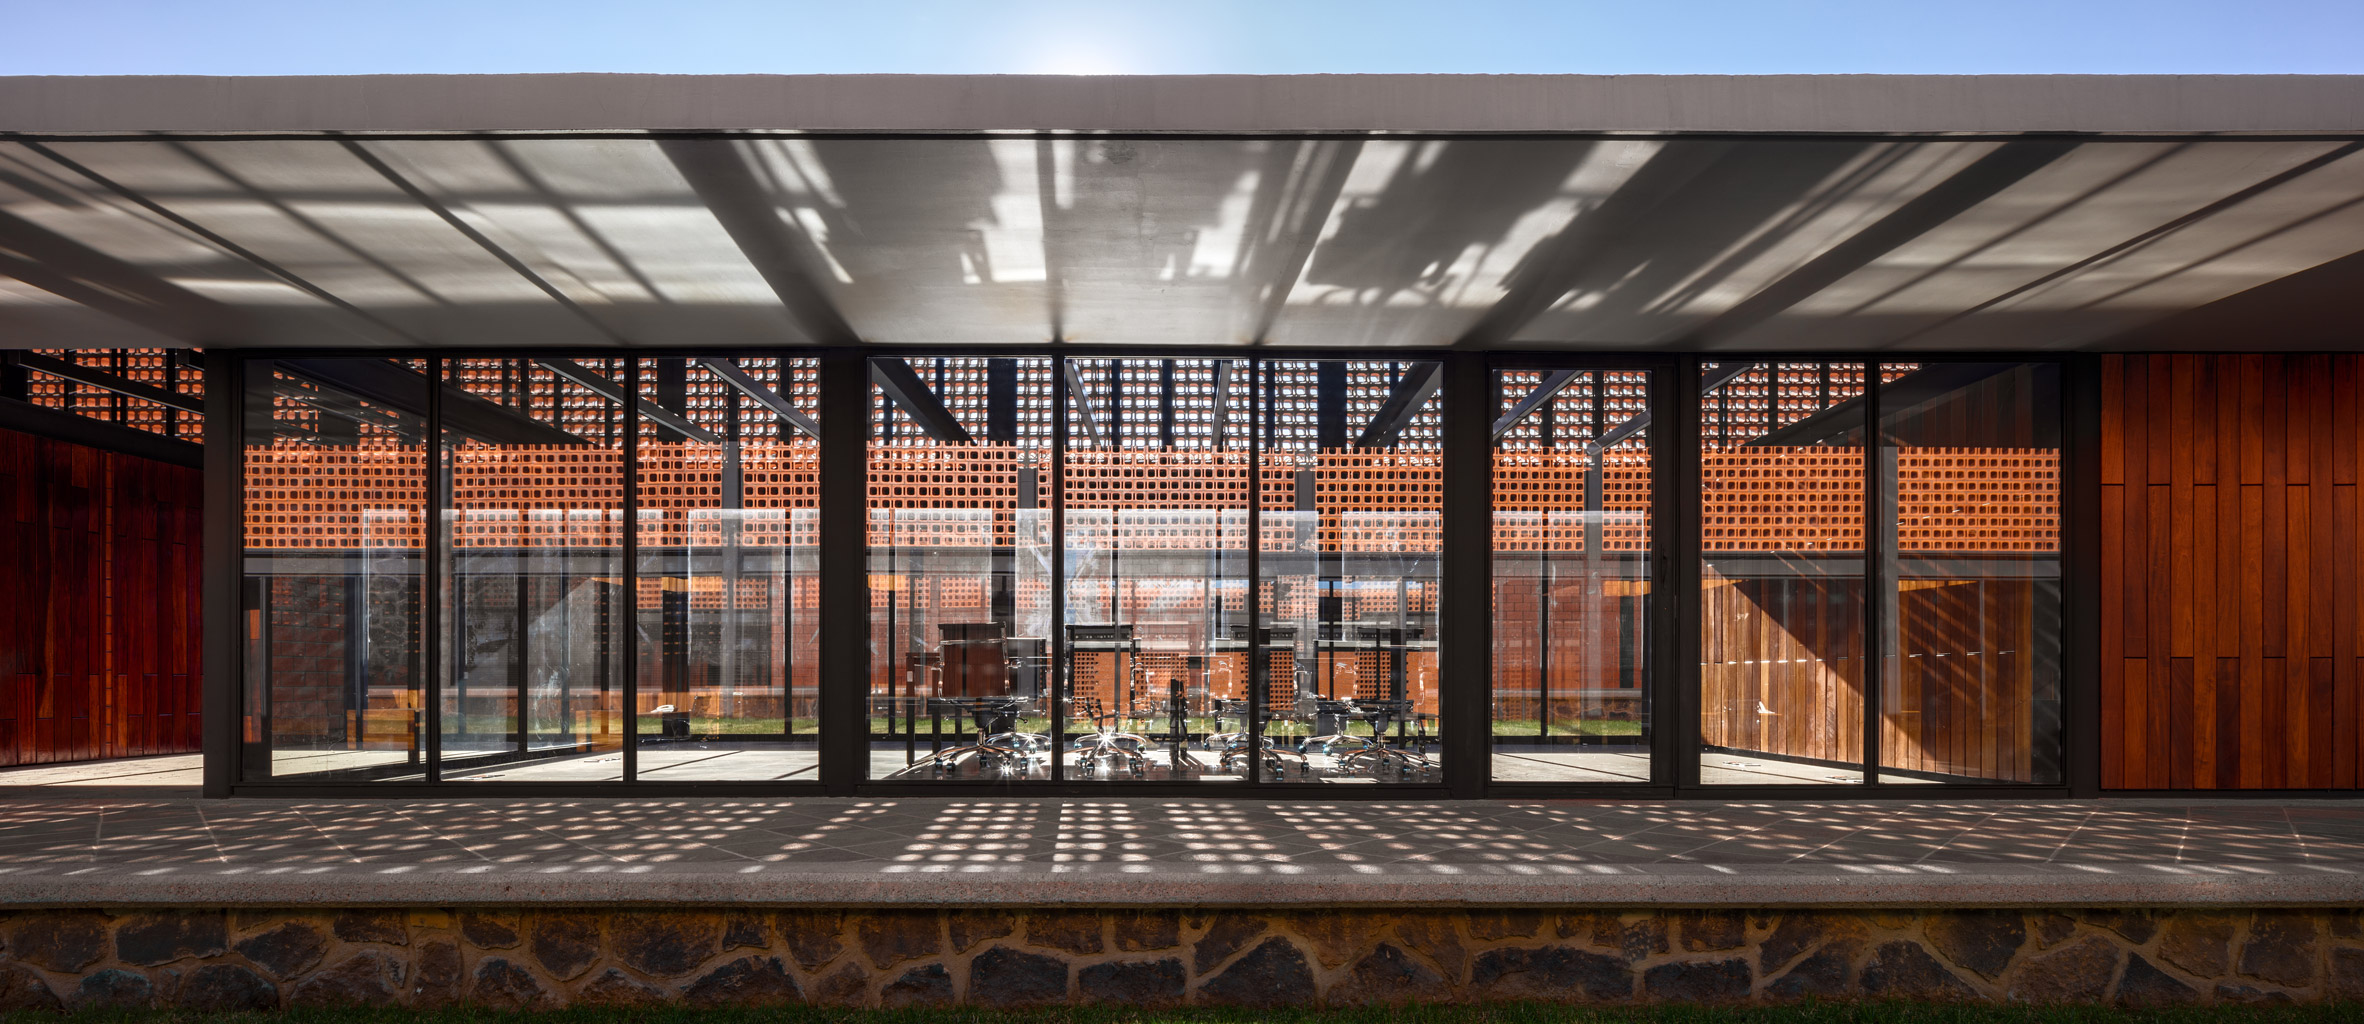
x: 1155, y: 485
x: 1781, y: 575
x: 1969, y: 458
x: 960, y: 569
x: 1571, y: 583
x: 728, y: 606
x: 533, y: 605
x: 335, y: 496
x: 1348, y: 544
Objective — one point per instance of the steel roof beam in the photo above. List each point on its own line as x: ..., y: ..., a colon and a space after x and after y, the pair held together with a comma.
x: 107, y: 381
x: 42, y: 421
x: 1912, y: 391
x: 597, y: 383
x: 787, y: 411
x: 1222, y: 410
x: 386, y: 383
x: 1083, y: 407
x: 902, y: 386
x: 1420, y: 380
x: 1552, y: 383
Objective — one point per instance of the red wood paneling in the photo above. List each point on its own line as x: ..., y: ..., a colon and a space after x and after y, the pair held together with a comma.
x: 2230, y: 607
x: 98, y: 625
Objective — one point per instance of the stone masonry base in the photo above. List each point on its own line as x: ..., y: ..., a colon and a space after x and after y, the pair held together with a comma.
x: 256, y: 959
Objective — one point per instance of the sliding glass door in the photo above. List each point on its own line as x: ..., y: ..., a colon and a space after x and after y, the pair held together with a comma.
x: 1888, y: 598
x: 1572, y: 586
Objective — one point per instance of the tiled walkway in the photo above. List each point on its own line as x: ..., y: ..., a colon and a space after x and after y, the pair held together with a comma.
x: 182, y: 774
x: 127, y: 851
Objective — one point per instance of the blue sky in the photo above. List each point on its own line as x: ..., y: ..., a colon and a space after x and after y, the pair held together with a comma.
x: 267, y: 37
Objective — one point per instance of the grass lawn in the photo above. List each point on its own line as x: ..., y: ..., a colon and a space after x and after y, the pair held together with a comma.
x: 1812, y: 1013
x: 1514, y: 728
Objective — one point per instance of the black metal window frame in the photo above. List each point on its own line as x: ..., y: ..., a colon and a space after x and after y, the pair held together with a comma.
x: 1459, y: 776
x: 1464, y: 616
x: 2078, y: 735
x: 226, y: 758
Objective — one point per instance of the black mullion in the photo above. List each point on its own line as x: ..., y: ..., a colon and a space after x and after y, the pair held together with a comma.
x: 520, y: 614
x: 631, y: 555
x: 2080, y: 719
x: 1259, y: 668
x: 1875, y: 597
x: 438, y: 544
x: 1676, y: 536
x: 1165, y: 403
x: 1061, y: 671
x: 222, y: 570
x: 172, y: 383
x: 1542, y: 635
x: 844, y: 554
x: 1465, y: 611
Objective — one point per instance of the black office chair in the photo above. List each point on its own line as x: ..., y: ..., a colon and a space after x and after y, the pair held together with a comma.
x: 1106, y: 751
x: 1377, y: 757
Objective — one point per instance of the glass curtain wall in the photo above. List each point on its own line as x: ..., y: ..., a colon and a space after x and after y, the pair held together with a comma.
x: 1571, y: 577
x: 728, y: 603
x: 335, y: 491
x: 1349, y: 539
x: 1781, y: 672
x: 533, y: 605
x: 1969, y: 471
x: 505, y: 639
x: 1135, y: 570
x: 1960, y: 561
x: 961, y: 564
x: 1060, y: 564
x: 1154, y: 493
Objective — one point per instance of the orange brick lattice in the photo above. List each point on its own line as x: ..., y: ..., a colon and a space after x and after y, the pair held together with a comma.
x: 147, y: 366
x: 1529, y: 484
x: 1769, y: 499
x: 1953, y: 499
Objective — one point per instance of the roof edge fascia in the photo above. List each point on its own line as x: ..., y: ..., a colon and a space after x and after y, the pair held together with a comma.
x: 1254, y: 104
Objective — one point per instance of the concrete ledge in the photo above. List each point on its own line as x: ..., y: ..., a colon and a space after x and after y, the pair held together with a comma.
x: 1705, y: 886
x: 1187, y: 103
x: 1001, y: 850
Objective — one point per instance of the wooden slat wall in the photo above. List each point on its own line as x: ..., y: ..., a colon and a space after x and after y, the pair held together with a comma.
x: 98, y: 622
x: 2229, y: 601
x: 1965, y: 694
x: 1794, y: 646
x: 1963, y: 703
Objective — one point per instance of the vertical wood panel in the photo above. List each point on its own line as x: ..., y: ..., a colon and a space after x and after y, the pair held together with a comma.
x: 92, y: 654
x: 2343, y: 639
x: 2113, y: 568
x: 2232, y: 603
x: 2136, y: 521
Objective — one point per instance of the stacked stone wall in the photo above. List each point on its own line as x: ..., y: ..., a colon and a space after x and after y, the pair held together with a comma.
x: 540, y: 958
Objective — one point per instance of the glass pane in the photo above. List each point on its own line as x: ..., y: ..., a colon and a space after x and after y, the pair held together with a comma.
x: 1970, y: 689
x: 960, y: 569
x: 1572, y: 498
x: 728, y: 612
x: 1781, y: 574
x: 533, y: 607
x: 335, y: 501
x: 1156, y: 492
x: 1349, y: 544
